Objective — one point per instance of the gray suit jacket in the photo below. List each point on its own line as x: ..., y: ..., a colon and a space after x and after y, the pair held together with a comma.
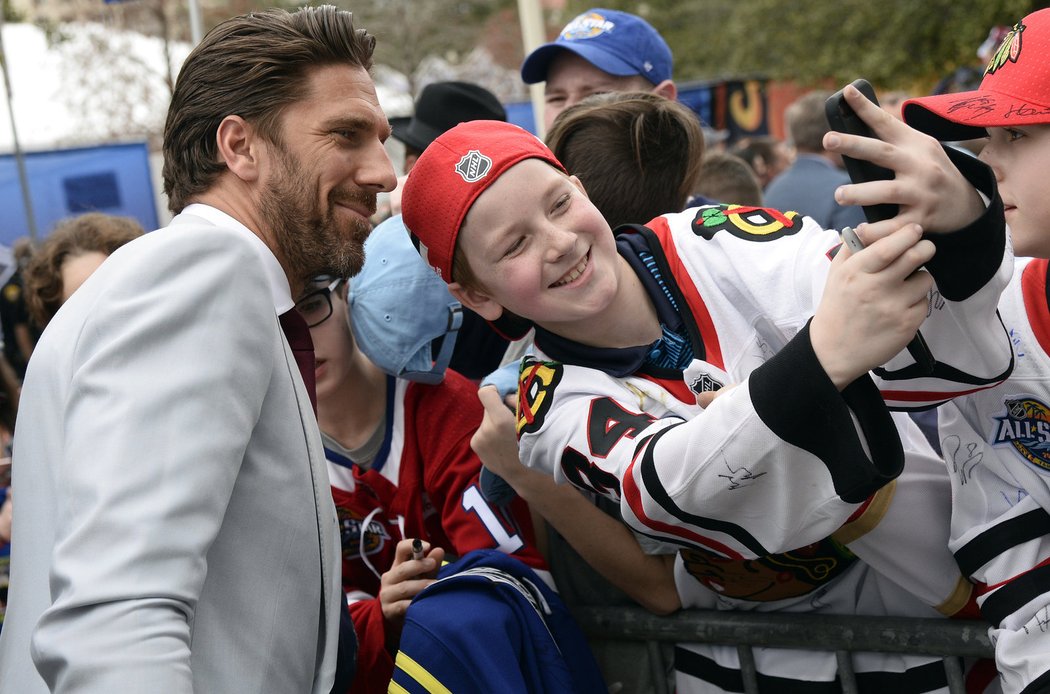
x: 808, y: 187
x: 174, y: 529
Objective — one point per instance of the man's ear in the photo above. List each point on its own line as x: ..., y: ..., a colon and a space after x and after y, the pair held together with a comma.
x: 476, y: 300
x: 239, y: 147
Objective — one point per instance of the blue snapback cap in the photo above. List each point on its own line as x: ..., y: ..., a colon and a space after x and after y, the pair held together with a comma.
x: 399, y: 306
x: 615, y: 42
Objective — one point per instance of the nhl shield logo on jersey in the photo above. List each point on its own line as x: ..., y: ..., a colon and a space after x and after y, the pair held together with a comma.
x: 536, y: 383
x: 1026, y: 427
x: 745, y: 222
x: 473, y: 166
x: 705, y: 383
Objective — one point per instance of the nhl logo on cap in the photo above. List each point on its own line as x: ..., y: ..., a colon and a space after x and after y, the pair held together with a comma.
x: 474, y: 166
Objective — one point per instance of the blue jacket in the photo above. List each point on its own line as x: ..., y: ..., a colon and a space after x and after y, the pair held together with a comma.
x: 808, y: 187
x: 491, y: 625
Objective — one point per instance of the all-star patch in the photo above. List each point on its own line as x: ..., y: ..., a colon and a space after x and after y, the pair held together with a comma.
x: 1026, y: 427
x: 745, y: 222
x: 587, y: 26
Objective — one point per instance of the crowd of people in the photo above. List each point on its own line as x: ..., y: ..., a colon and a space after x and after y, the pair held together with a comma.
x: 337, y: 428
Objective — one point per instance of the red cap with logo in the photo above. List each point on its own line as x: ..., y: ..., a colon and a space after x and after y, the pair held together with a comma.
x: 449, y: 176
x: 1015, y: 90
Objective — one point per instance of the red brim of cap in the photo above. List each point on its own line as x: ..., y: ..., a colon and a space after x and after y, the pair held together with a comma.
x: 965, y: 115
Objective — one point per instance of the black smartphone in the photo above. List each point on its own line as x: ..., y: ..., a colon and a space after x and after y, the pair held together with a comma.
x: 842, y: 118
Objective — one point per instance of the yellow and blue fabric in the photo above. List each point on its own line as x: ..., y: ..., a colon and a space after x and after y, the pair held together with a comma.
x: 490, y: 624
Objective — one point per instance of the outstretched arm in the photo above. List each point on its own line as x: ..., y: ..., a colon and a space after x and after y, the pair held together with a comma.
x: 607, y: 545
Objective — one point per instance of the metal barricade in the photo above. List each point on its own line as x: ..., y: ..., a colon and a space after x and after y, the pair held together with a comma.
x: 843, y: 635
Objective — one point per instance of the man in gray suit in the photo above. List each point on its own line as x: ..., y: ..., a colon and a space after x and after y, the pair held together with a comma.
x: 174, y: 529
x: 808, y: 185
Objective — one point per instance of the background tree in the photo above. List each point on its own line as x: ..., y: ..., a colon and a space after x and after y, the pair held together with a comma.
x: 893, y: 43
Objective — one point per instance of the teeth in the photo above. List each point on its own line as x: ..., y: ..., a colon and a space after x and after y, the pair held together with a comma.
x: 574, y: 273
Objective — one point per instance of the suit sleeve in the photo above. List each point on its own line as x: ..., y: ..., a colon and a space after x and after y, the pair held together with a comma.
x: 170, y: 372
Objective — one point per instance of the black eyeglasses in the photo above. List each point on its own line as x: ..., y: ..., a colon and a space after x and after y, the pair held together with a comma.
x: 316, y: 307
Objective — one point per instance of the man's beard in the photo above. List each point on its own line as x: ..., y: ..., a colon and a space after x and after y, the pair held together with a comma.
x: 310, y: 242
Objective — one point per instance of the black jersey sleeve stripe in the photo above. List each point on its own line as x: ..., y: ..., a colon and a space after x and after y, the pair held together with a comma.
x: 944, y: 372
x: 655, y: 488
x: 968, y: 258
x: 1040, y: 685
x: 921, y: 678
x: 1015, y: 594
x: 1000, y: 538
x: 791, y: 392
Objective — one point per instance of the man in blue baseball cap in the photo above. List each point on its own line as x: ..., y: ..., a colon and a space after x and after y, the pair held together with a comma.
x: 600, y: 51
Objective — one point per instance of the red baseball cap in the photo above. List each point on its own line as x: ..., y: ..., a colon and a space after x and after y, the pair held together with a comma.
x: 1015, y: 89
x: 449, y: 176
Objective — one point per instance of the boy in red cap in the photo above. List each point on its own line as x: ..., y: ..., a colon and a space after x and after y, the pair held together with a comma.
x: 997, y: 441
x: 717, y: 295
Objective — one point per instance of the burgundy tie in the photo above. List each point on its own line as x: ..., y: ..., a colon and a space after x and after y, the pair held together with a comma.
x: 302, y: 347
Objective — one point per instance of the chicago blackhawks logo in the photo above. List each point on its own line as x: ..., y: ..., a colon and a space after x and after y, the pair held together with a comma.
x: 1026, y: 427
x: 536, y: 383
x: 1008, y: 50
x: 744, y: 222
x: 774, y: 577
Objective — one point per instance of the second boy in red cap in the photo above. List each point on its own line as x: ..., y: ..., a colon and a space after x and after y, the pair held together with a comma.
x: 997, y: 442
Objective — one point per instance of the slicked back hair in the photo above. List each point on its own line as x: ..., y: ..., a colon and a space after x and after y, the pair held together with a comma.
x: 637, y: 154
x: 253, y: 66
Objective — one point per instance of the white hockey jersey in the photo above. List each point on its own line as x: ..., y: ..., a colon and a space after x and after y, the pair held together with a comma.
x: 908, y: 545
x: 783, y: 459
x: 996, y: 444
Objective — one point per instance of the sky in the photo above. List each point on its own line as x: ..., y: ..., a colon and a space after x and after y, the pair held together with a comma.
x: 71, y: 94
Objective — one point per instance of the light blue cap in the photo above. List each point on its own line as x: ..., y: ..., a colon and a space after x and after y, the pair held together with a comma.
x: 399, y: 306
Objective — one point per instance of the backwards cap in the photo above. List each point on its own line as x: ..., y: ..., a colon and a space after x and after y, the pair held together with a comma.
x: 399, y: 308
x: 1015, y: 90
x: 618, y: 43
x: 450, y: 175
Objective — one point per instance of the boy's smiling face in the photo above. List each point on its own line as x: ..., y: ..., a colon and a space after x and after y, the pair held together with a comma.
x: 1019, y: 157
x: 540, y: 249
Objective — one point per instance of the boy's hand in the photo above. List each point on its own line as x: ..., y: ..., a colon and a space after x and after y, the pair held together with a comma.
x: 873, y: 303
x: 496, y: 444
x: 929, y: 189
x: 495, y: 440
x: 403, y: 581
